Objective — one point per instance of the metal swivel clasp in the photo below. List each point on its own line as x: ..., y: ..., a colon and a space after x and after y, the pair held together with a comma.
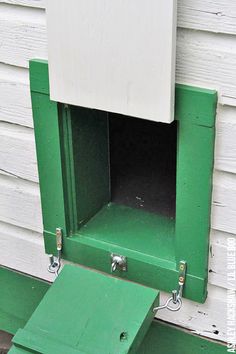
x: 118, y: 262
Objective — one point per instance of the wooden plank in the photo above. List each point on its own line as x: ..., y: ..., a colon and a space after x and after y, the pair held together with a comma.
x: 225, y: 152
x: 203, y: 319
x: 15, y: 102
x: 218, y: 259
x: 20, y: 203
x: 203, y: 58
x: 207, y: 60
x: 31, y: 3
x: 123, y: 62
x: 22, y: 34
x: 17, y: 152
x: 207, y: 15
x: 163, y: 338
x: 23, y: 250
x: 224, y: 201
x: 16, y: 309
x: 112, y: 333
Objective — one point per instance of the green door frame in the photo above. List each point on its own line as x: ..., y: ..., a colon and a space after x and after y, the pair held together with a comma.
x: 195, y: 113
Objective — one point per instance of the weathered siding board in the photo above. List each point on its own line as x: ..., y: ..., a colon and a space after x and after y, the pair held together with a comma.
x: 15, y: 103
x: 225, y: 151
x: 208, y: 60
x: 203, y: 58
x: 17, y: 151
x: 224, y: 203
x: 22, y: 34
x: 215, y: 16
x: 208, y: 319
x: 20, y: 203
x: 207, y: 15
x: 23, y: 250
x: 31, y: 3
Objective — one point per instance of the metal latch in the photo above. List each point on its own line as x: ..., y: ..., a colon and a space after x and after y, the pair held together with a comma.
x: 118, y: 262
x: 174, y: 303
x: 55, y: 262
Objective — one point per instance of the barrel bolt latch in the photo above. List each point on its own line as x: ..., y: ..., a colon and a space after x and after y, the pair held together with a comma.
x: 55, y: 262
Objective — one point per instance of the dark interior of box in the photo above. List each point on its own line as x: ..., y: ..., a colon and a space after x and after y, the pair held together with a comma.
x: 143, y: 164
x: 125, y: 180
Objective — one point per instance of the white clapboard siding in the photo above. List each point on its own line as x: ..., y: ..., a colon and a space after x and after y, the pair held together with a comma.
x: 224, y: 202
x: 15, y: 102
x: 218, y: 263
x: 15, y: 107
x: 225, y: 151
x: 203, y: 58
x: 207, y: 319
x: 17, y: 151
x: 31, y: 3
x: 20, y: 203
x: 221, y: 238
x: 23, y: 250
x: 218, y: 267
x: 208, y: 60
x: 22, y: 34
x: 208, y: 15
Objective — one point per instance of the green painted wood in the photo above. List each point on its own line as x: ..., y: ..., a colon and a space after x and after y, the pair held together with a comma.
x: 39, y: 80
x: 162, y: 338
x: 125, y: 230
x: 195, y: 113
x: 91, y: 157
x: 47, y: 136
x: 19, y: 297
x: 15, y: 311
x: 194, y: 187
x: 87, y: 312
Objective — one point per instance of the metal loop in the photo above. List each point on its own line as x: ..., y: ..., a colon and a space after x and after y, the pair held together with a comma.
x: 168, y: 306
x: 178, y: 303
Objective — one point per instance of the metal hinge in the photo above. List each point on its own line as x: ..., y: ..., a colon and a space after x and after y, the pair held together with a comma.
x: 55, y: 262
x: 174, y: 303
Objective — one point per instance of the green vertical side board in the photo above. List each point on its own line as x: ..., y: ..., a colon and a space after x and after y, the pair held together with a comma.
x: 194, y: 186
x: 47, y: 136
x: 195, y: 105
x: 91, y: 161
x: 19, y: 297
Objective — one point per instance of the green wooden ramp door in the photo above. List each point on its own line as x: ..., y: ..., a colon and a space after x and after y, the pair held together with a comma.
x: 86, y: 312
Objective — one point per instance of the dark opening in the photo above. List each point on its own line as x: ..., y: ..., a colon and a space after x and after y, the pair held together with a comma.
x: 143, y: 164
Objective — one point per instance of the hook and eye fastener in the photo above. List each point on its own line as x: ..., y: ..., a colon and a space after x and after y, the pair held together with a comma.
x: 174, y: 303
